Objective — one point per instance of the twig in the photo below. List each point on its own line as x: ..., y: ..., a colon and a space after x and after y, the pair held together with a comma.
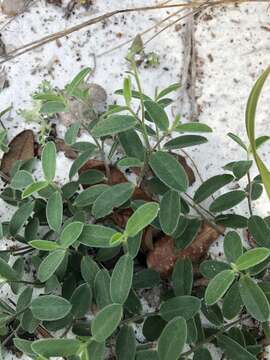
x: 249, y: 194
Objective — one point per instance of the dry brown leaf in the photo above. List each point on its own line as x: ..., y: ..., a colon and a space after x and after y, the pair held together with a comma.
x: 163, y: 256
x: 13, y: 7
x: 22, y: 147
x: 62, y: 146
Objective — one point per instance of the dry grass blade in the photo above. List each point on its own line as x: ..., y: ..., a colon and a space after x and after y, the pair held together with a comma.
x: 49, y: 38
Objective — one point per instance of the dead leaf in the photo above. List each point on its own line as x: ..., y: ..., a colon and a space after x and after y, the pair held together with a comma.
x: 62, y: 146
x: 22, y: 147
x: 163, y: 256
x: 13, y: 7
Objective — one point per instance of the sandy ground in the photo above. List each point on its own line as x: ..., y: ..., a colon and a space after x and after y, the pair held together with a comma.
x: 232, y: 46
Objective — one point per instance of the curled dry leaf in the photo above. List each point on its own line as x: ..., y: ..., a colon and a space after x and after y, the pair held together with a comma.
x: 22, y: 147
x: 163, y: 256
x: 12, y: 7
x: 68, y: 151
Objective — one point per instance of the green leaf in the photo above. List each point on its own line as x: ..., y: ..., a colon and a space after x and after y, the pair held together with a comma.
x: 24, y: 299
x: 50, y: 264
x: 96, y: 236
x: 142, y: 217
x: 237, y: 139
x: 233, y: 350
x: 21, y: 179
x: 102, y: 288
x: 78, y: 79
x: 81, y: 300
x: 157, y: 114
x: 191, y: 230
x: 24, y: 346
x: 56, y: 347
x: 233, y: 221
x: 169, y: 214
x: 259, y: 230
x: 147, y: 355
x: 147, y: 278
x: 44, y: 245
x: 132, y: 145
x: 80, y: 161
x: 251, y: 258
x: 125, y: 343
x: 113, y: 124
x: 232, y: 302
x: 130, y: 162
x: 239, y: 168
x: 89, y: 269
x: 127, y: 90
x: 210, y: 268
x: 50, y: 307
x: 111, y: 198
x: 19, y: 218
x: 71, y: 233
x: 54, y: 211
x: 193, y: 127
x: 34, y: 187
x: 172, y: 339
x: 168, y: 90
x: 182, y: 277
x: 48, y: 159
x: 106, y: 322
x: 261, y: 140
x: 185, y: 306
x: 91, y: 177
x: 169, y: 171
x: 227, y: 201
x: 6, y: 272
x: 218, y: 286
x: 184, y: 141
x: 232, y: 245
x: 152, y: 327
x: 52, y: 107
x: 94, y: 351
x: 89, y: 196
x: 72, y: 133
x: 254, y: 299
x: 211, y: 185
x: 250, y: 127
x: 121, y: 279
x: 202, y: 354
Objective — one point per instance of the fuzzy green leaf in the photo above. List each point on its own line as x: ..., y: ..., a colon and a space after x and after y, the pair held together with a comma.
x: 232, y: 246
x: 184, y: 141
x: 227, y: 201
x: 54, y: 211
x: 19, y: 218
x: 254, y: 299
x: 21, y: 180
x: 56, y: 347
x: 169, y: 171
x: 121, y: 279
x: 71, y: 233
x: 96, y: 236
x: 48, y: 159
x: 172, y: 339
x: 251, y: 258
x: 126, y: 343
x: 44, y: 245
x: 211, y: 185
x: 114, y: 124
x: 185, y: 306
x: 259, y: 230
x: 106, y: 322
x: 218, y: 286
x: 157, y: 114
x: 169, y: 214
x: 50, y: 264
x: 50, y: 307
x: 142, y: 217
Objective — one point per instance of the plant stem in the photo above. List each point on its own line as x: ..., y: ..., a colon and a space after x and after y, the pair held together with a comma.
x: 139, y: 317
x: 212, y: 337
x: 249, y: 194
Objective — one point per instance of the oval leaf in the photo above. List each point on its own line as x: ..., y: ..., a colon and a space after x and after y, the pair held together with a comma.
x: 50, y: 264
x: 251, y: 258
x: 169, y: 171
x: 218, y: 286
x: 121, y: 279
x: 50, y: 307
x: 48, y: 159
x: 113, y: 124
x: 185, y: 306
x: 169, y: 214
x: 106, y: 322
x: 211, y: 185
x: 227, y: 201
x: 54, y: 211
